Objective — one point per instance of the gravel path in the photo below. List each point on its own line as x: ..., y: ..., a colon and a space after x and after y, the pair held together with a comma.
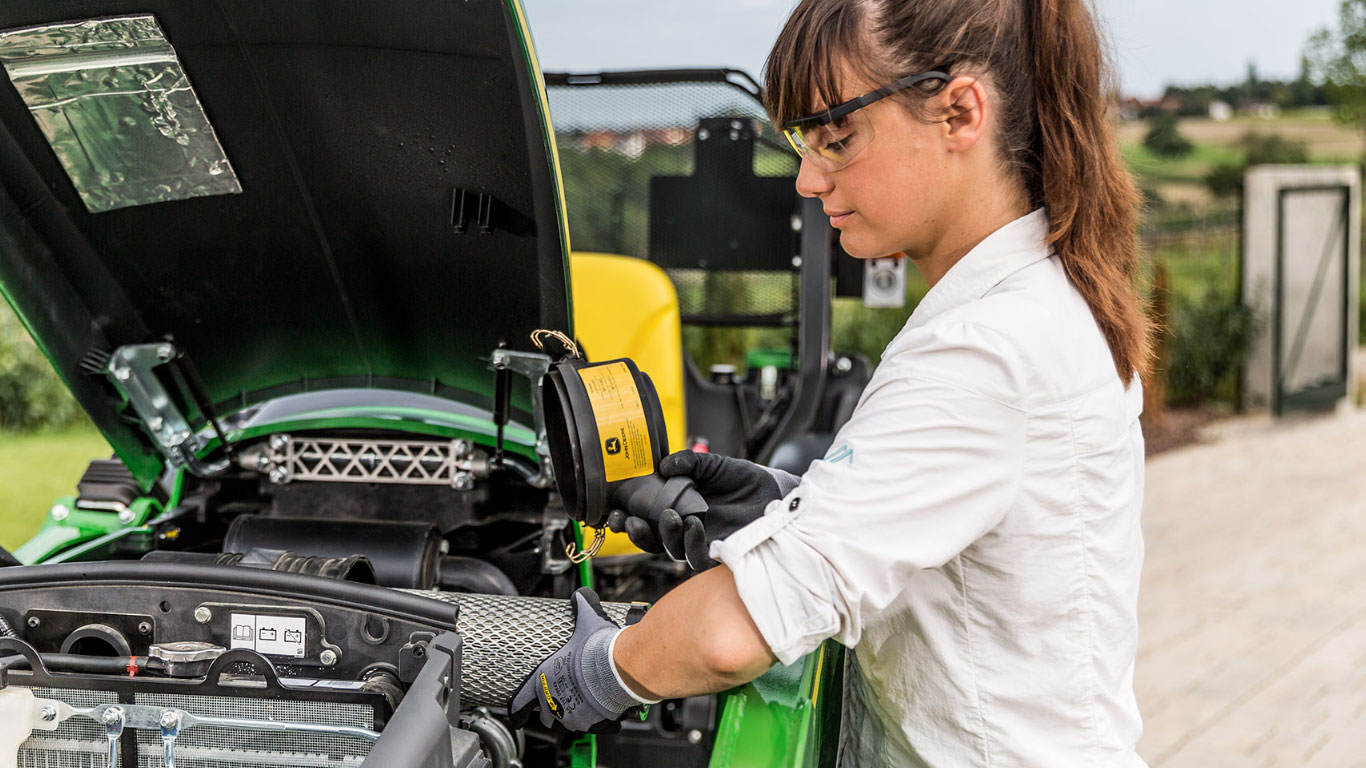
x: 1253, y: 605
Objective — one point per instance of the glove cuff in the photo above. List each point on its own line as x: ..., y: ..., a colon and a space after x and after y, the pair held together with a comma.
x: 600, y: 675
x: 786, y: 480
x: 633, y: 699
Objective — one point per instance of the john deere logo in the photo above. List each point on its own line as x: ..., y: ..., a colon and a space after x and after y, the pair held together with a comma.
x: 550, y: 702
x: 613, y: 446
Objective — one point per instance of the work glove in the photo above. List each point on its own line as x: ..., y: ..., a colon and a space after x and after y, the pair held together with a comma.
x: 578, y: 685
x: 736, y: 492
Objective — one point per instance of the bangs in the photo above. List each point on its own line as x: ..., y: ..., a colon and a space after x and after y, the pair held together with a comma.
x: 803, y: 70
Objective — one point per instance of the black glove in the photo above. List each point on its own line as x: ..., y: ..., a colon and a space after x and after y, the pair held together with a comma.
x: 578, y: 685
x: 736, y: 492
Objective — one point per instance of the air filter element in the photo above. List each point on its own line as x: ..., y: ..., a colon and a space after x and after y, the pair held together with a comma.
x: 606, y: 433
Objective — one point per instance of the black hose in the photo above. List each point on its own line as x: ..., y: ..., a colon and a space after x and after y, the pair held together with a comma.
x: 99, y: 665
x: 470, y: 574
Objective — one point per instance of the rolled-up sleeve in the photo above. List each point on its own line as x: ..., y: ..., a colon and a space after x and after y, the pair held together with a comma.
x: 930, y: 461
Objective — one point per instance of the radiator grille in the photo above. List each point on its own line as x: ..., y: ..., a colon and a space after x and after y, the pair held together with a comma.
x: 80, y: 742
x: 209, y: 747
x: 77, y: 743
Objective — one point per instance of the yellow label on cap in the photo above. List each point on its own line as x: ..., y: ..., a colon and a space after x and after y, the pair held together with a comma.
x: 620, y: 416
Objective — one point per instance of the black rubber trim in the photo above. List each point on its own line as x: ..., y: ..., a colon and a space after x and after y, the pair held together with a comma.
x: 294, y: 586
x: 733, y: 77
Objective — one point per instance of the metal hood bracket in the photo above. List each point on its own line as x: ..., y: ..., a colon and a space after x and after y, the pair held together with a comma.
x: 131, y: 370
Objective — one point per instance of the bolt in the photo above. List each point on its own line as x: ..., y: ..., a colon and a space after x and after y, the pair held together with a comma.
x: 144, y: 627
x: 694, y: 736
x: 463, y: 481
x: 111, y: 716
x: 169, y: 719
x: 48, y: 714
x: 279, y: 475
x: 165, y: 353
x: 125, y: 516
x: 202, y: 615
x: 60, y: 512
x: 463, y: 447
x: 419, y: 651
x: 156, y: 424
x: 279, y: 442
x: 34, y: 622
x: 123, y: 373
x: 328, y: 657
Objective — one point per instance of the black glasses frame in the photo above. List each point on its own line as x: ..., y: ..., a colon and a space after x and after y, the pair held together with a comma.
x: 857, y: 103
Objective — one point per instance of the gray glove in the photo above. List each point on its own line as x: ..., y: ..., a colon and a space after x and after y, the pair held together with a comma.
x: 736, y: 492
x: 577, y: 685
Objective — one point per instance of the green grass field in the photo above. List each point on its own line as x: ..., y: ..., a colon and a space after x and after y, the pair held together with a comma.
x: 36, y: 469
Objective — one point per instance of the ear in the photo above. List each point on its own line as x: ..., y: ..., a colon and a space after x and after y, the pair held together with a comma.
x: 965, y: 107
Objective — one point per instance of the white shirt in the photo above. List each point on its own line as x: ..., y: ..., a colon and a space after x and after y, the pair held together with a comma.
x: 974, y: 532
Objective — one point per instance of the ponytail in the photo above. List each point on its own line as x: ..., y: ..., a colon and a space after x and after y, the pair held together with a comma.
x: 1053, y: 127
x: 1090, y: 198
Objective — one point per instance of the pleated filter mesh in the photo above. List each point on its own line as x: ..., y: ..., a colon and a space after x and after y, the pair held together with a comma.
x: 505, y: 638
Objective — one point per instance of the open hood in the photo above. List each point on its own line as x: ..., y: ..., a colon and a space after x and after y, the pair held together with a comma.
x: 300, y: 196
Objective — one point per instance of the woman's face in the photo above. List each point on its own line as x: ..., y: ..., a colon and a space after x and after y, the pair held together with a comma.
x: 897, y: 192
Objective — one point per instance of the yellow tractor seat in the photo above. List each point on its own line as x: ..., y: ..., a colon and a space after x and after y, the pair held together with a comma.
x: 627, y: 307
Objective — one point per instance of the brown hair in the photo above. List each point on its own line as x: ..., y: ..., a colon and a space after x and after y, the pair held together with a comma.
x: 1044, y: 60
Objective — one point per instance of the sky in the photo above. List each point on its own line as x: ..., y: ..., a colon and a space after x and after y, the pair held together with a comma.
x: 1155, y: 42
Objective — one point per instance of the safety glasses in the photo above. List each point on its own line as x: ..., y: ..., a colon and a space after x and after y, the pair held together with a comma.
x: 832, y: 138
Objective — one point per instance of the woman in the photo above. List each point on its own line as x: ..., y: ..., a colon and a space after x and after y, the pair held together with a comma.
x: 977, y: 545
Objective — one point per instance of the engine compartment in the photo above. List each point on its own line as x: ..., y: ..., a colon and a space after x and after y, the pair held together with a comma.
x: 260, y: 585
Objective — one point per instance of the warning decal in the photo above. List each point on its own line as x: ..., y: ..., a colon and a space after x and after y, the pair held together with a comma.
x: 274, y: 635
x: 620, y: 417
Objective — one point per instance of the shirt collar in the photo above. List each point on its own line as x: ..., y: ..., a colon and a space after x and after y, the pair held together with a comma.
x: 1004, y: 252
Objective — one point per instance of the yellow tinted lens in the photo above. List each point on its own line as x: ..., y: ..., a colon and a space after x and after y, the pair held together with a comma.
x: 837, y: 143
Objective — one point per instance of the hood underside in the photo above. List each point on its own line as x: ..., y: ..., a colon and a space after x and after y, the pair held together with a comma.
x: 301, y: 195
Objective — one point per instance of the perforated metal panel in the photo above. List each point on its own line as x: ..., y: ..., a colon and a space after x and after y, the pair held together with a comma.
x: 505, y: 638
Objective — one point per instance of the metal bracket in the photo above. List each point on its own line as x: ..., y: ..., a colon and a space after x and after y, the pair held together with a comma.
x: 534, y: 366
x: 131, y: 369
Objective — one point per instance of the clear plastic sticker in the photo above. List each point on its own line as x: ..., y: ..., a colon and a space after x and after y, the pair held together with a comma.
x: 114, y: 103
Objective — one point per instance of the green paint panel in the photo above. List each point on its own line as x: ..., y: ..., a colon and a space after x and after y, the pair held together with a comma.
x: 777, y: 720
x: 68, y: 530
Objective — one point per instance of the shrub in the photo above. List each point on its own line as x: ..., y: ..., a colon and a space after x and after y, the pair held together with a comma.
x: 1210, y: 336
x: 1164, y: 138
x: 1226, y: 179
x: 31, y: 395
x: 1267, y: 148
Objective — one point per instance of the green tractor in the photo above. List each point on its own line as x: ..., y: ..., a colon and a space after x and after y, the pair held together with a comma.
x: 297, y: 261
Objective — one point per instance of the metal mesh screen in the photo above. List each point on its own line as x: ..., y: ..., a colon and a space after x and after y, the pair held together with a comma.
x: 613, y: 138
x: 506, y: 637
x: 77, y: 743
x: 210, y: 747
x: 80, y: 742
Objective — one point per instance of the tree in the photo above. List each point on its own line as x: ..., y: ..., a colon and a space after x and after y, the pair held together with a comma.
x: 1338, y: 57
x: 1164, y: 139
